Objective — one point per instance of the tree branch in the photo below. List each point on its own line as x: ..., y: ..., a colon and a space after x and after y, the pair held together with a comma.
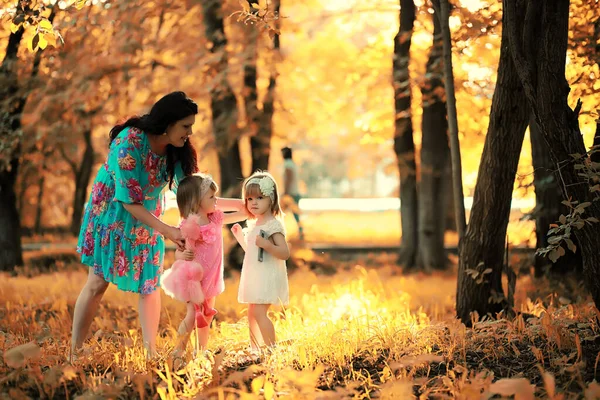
x: 67, y: 159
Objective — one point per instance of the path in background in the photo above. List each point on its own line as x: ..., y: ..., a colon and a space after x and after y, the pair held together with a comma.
x: 350, y: 223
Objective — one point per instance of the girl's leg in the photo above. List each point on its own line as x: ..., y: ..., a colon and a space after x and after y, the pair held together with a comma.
x: 189, y: 321
x: 267, y: 330
x: 203, y: 333
x: 86, y: 308
x: 149, y: 310
x: 186, y: 327
x: 256, y: 339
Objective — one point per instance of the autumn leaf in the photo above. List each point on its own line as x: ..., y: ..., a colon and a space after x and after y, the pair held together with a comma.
x: 42, y: 42
x: 245, y: 5
x: 18, y: 357
x: 32, y: 44
x: 269, y: 392
x: 45, y: 25
x: 549, y: 384
x: 521, y: 388
x: 571, y: 245
x: 257, y: 384
x: 14, y: 28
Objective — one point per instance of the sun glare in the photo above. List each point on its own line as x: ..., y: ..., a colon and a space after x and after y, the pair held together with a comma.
x: 473, y: 5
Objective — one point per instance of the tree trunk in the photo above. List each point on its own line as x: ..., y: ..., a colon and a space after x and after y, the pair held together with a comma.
x: 548, y: 208
x: 434, y: 158
x: 37, y: 228
x: 222, y: 100
x: 450, y: 213
x: 542, y: 73
x: 455, y: 159
x: 404, y: 146
x: 484, y: 242
x: 82, y: 180
x: 10, y: 224
x: 261, y: 142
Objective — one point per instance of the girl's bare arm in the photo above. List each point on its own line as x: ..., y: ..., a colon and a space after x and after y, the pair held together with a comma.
x: 224, y: 204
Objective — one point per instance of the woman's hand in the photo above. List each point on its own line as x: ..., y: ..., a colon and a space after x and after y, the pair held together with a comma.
x: 174, y: 234
x: 187, y: 255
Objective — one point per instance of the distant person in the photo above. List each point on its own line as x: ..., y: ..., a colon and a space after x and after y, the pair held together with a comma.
x: 290, y: 186
x: 264, y: 280
x: 121, y: 237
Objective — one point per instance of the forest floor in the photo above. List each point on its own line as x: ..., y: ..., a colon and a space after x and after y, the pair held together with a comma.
x: 355, y: 329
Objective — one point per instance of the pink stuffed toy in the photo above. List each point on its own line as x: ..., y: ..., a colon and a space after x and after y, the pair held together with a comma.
x: 183, y: 280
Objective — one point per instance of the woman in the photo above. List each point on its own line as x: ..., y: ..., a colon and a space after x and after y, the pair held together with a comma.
x: 121, y: 237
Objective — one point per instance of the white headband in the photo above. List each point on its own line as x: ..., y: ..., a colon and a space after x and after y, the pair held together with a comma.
x: 266, y: 185
x: 207, y: 181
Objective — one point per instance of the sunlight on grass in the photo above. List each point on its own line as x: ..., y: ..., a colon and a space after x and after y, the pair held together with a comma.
x: 359, y: 333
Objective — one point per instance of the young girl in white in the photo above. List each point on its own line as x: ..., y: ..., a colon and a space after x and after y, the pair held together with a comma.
x: 264, y: 275
x: 197, y: 276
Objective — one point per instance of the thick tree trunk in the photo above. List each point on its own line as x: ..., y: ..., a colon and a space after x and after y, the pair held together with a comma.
x: 434, y: 158
x: 261, y: 142
x: 484, y: 241
x: 404, y: 146
x: 548, y: 209
x: 539, y: 53
x: 10, y: 223
x: 223, y: 102
x: 82, y: 180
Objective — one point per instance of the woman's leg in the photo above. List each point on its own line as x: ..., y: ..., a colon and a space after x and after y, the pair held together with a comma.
x: 86, y: 308
x: 256, y: 339
x: 203, y: 333
x: 149, y: 310
x: 267, y: 330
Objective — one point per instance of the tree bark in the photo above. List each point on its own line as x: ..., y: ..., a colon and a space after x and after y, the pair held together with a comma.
x: 37, y: 228
x: 548, y: 208
x: 434, y: 157
x: 456, y: 163
x: 484, y: 241
x: 404, y: 146
x: 261, y: 142
x: 10, y: 223
x: 222, y: 100
x: 542, y: 74
x: 83, y: 175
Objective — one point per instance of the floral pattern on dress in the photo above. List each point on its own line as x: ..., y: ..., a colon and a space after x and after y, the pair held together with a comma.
x: 118, y: 247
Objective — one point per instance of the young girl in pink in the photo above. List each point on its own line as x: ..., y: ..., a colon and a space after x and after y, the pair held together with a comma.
x: 196, y: 278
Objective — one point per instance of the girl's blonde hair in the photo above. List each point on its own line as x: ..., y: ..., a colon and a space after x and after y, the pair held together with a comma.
x: 190, y: 192
x: 252, y: 189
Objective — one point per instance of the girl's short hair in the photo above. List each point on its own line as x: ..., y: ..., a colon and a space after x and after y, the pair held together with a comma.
x: 190, y: 192
x: 251, y: 188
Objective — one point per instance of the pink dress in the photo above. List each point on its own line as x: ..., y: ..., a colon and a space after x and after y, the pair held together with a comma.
x: 202, y: 278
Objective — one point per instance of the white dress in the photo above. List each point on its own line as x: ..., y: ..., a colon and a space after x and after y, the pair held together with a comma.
x: 263, y: 282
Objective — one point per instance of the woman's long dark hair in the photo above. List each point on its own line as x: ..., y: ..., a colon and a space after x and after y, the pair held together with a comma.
x: 166, y: 111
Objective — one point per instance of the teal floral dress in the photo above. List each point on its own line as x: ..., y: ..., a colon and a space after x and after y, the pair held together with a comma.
x: 117, y: 246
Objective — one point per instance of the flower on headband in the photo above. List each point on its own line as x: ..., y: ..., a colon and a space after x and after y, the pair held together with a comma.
x: 266, y: 185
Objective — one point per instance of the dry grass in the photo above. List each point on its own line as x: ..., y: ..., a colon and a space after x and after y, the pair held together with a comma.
x: 360, y: 333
